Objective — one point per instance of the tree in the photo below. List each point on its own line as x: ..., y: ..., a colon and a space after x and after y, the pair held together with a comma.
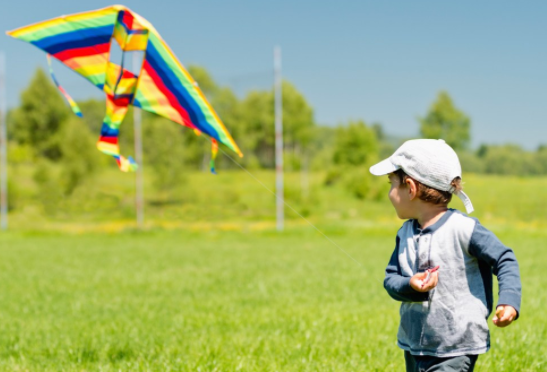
x: 79, y: 156
x: 93, y: 111
x: 164, y: 152
x: 40, y: 117
x: 256, y: 132
x: 298, y: 125
x: 508, y: 159
x: 355, y: 144
x: 43, y: 123
x: 447, y: 122
x: 355, y: 149
x: 258, y: 128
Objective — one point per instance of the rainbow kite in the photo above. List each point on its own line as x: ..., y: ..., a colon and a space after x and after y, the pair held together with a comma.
x: 163, y: 86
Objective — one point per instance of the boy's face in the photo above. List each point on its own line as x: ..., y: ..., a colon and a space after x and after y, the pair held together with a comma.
x: 400, y: 197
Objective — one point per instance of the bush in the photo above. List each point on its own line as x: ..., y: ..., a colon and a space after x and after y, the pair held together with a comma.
x: 358, y: 182
x: 80, y: 158
x: 49, y: 193
x: 471, y: 163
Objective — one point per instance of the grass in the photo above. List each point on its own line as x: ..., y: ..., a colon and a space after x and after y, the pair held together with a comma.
x: 209, y: 286
x: 224, y: 301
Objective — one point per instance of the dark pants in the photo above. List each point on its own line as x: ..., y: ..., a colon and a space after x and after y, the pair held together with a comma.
x: 424, y: 363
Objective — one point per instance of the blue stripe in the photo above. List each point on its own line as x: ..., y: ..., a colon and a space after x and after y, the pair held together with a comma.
x: 128, y: 96
x: 173, y: 83
x: 106, y: 131
x: 75, y: 39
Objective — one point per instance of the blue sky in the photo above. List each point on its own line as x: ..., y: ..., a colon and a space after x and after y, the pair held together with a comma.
x: 378, y: 61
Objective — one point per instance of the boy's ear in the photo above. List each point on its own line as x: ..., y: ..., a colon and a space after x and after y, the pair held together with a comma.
x: 412, y: 188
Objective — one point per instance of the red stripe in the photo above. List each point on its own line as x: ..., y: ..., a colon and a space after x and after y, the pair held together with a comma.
x: 128, y: 19
x: 82, y: 52
x: 170, y: 97
x: 111, y: 140
x: 128, y: 74
x: 120, y: 101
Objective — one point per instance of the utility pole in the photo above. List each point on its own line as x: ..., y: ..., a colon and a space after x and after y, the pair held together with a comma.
x: 280, y: 203
x: 3, y: 147
x: 139, y: 189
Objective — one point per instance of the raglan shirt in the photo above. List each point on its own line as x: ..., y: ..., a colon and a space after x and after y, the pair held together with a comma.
x: 451, y: 319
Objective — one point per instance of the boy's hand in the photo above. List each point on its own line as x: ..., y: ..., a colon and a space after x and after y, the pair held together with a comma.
x: 505, y: 315
x: 426, y: 281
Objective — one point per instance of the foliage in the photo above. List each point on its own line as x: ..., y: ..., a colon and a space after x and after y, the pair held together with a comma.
x: 93, y: 111
x: 257, y: 129
x: 321, y: 147
x: 79, y: 157
x: 39, y: 118
x: 43, y: 128
x: 256, y: 133
x: 355, y: 150
x: 471, y: 162
x: 510, y: 160
x: 48, y: 191
x: 165, y: 152
x: 355, y: 145
x: 447, y: 122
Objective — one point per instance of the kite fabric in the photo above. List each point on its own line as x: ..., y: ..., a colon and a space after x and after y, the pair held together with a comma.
x: 162, y: 86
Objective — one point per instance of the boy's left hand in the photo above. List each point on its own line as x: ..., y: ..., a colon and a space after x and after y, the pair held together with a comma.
x: 505, y: 315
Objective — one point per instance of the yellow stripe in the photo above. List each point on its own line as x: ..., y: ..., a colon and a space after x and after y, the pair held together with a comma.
x: 95, y: 62
x: 157, y: 99
x: 108, y: 148
x: 80, y: 66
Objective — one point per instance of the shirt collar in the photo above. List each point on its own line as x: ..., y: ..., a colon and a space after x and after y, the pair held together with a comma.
x: 432, y: 228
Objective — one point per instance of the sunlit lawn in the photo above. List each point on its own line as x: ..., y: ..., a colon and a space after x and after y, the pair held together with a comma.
x: 225, y: 301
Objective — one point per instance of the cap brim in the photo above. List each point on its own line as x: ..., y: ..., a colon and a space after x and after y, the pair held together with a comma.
x: 384, y: 167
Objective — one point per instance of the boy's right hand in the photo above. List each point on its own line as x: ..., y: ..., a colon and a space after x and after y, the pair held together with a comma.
x: 420, y: 282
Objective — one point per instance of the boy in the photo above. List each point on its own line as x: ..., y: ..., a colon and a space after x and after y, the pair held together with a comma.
x: 441, y: 269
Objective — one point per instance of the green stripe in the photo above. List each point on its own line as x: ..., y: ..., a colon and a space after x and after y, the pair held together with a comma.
x: 69, y: 26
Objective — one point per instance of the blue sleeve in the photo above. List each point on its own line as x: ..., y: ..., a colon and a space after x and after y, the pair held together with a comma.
x: 501, y: 261
x: 398, y: 285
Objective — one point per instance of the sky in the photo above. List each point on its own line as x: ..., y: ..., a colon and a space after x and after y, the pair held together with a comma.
x: 379, y: 61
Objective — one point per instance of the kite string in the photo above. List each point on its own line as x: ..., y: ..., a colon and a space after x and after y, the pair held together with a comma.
x: 290, y: 207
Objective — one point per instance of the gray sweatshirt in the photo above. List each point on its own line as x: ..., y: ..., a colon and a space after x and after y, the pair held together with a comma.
x: 451, y: 319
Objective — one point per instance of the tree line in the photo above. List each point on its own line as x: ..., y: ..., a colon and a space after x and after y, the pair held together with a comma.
x: 42, y: 131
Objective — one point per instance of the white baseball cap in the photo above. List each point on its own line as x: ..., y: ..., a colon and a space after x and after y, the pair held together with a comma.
x: 429, y: 161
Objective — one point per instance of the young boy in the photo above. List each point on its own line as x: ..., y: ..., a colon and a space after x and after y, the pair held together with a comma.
x: 441, y: 269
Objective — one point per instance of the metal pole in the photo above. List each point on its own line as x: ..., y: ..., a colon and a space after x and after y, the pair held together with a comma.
x: 3, y: 146
x: 139, y: 190
x: 280, y: 215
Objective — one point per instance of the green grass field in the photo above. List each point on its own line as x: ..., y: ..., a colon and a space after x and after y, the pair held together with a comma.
x: 210, y: 286
x: 225, y: 301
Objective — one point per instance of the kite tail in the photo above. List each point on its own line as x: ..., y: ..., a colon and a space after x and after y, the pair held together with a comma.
x: 109, y: 146
x: 108, y: 141
x: 214, y: 152
x: 73, y: 105
x: 127, y: 165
